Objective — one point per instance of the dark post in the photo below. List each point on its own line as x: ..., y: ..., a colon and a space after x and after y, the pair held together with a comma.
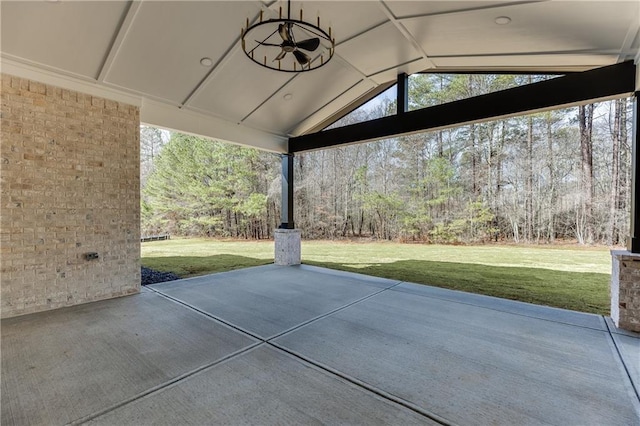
x: 402, y: 93
x: 634, y: 240
x: 286, y: 214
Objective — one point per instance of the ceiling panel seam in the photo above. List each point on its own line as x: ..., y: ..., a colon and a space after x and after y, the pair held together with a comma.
x: 145, y: 95
x: 47, y: 68
x: 194, y: 122
x: 344, y: 61
x: 538, y: 53
x: 405, y: 33
x: 215, y: 115
x: 323, y: 106
x: 337, y: 57
x: 260, y: 129
x: 632, y: 33
x: 471, y: 9
x: 65, y: 79
x: 347, y: 109
x: 340, y: 59
x: 215, y: 69
x: 395, y: 66
x: 269, y: 98
x: 120, y: 35
x: 361, y: 33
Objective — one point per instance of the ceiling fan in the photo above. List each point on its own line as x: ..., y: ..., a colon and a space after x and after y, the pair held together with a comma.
x: 289, y: 44
x: 260, y: 40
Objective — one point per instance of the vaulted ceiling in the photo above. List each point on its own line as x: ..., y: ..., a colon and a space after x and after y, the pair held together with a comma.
x: 149, y: 52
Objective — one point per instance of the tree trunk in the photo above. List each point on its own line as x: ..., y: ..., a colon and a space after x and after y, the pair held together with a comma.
x: 625, y: 151
x: 472, y: 143
x: 585, y: 118
x: 474, y: 178
x: 615, y: 173
x: 499, y: 160
x: 553, y: 196
x: 529, y: 182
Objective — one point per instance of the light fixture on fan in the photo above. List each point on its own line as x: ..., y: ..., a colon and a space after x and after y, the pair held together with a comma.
x: 262, y: 40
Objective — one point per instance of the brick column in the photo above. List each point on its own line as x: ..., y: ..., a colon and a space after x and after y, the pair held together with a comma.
x: 625, y: 290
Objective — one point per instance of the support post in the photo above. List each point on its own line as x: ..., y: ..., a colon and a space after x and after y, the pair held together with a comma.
x: 402, y: 94
x: 625, y: 265
x: 286, y: 214
x: 634, y: 239
x: 287, y: 239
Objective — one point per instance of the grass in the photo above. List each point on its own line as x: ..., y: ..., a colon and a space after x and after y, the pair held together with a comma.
x: 564, y: 277
x: 199, y: 256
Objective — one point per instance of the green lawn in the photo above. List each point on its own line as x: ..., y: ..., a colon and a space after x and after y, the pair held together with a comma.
x: 565, y: 277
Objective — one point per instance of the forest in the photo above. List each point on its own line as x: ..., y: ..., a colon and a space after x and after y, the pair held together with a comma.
x: 554, y: 176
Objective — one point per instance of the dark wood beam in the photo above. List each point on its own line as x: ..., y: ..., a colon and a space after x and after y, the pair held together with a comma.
x: 589, y: 86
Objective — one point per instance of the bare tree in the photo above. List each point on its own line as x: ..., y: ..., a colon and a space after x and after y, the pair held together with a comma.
x: 615, y: 171
x: 585, y: 120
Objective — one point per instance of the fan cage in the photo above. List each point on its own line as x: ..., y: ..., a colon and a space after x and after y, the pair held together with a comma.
x: 249, y: 46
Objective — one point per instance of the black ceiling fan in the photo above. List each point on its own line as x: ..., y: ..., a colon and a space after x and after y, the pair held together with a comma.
x: 289, y: 44
x: 321, y: 42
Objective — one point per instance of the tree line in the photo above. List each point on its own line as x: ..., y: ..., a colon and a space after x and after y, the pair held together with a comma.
x: 555, y: 175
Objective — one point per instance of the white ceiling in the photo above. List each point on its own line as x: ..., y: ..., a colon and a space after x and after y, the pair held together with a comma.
x: 148, y: 53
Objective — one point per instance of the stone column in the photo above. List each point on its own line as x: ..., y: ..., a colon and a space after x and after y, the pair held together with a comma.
x: 287, y: 242
x: 625, y: 290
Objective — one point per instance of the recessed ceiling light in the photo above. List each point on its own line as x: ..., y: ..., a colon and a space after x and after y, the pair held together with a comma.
x: 502, y: 20
x: 287, y: 97
x: 206, y: 62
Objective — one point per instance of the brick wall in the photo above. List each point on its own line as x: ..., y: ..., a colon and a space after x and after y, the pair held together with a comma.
x: 625, y: 290
x: 69, y: 176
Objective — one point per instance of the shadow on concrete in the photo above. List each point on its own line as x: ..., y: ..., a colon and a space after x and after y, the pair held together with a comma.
x: 191, y: 266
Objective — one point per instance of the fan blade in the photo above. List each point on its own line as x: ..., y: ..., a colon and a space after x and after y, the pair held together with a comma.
x: 302, y: 57
x: 310, y: 44
x: 285, y: 31
x: 280, y: 56
x: 267, y: 44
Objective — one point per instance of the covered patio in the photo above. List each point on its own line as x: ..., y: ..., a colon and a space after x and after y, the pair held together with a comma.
x: 283, y: 344
x: 78, y: 79
x: 306, y: 345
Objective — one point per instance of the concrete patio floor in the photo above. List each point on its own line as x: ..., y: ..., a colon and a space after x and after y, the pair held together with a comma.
x: 305, y: 345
